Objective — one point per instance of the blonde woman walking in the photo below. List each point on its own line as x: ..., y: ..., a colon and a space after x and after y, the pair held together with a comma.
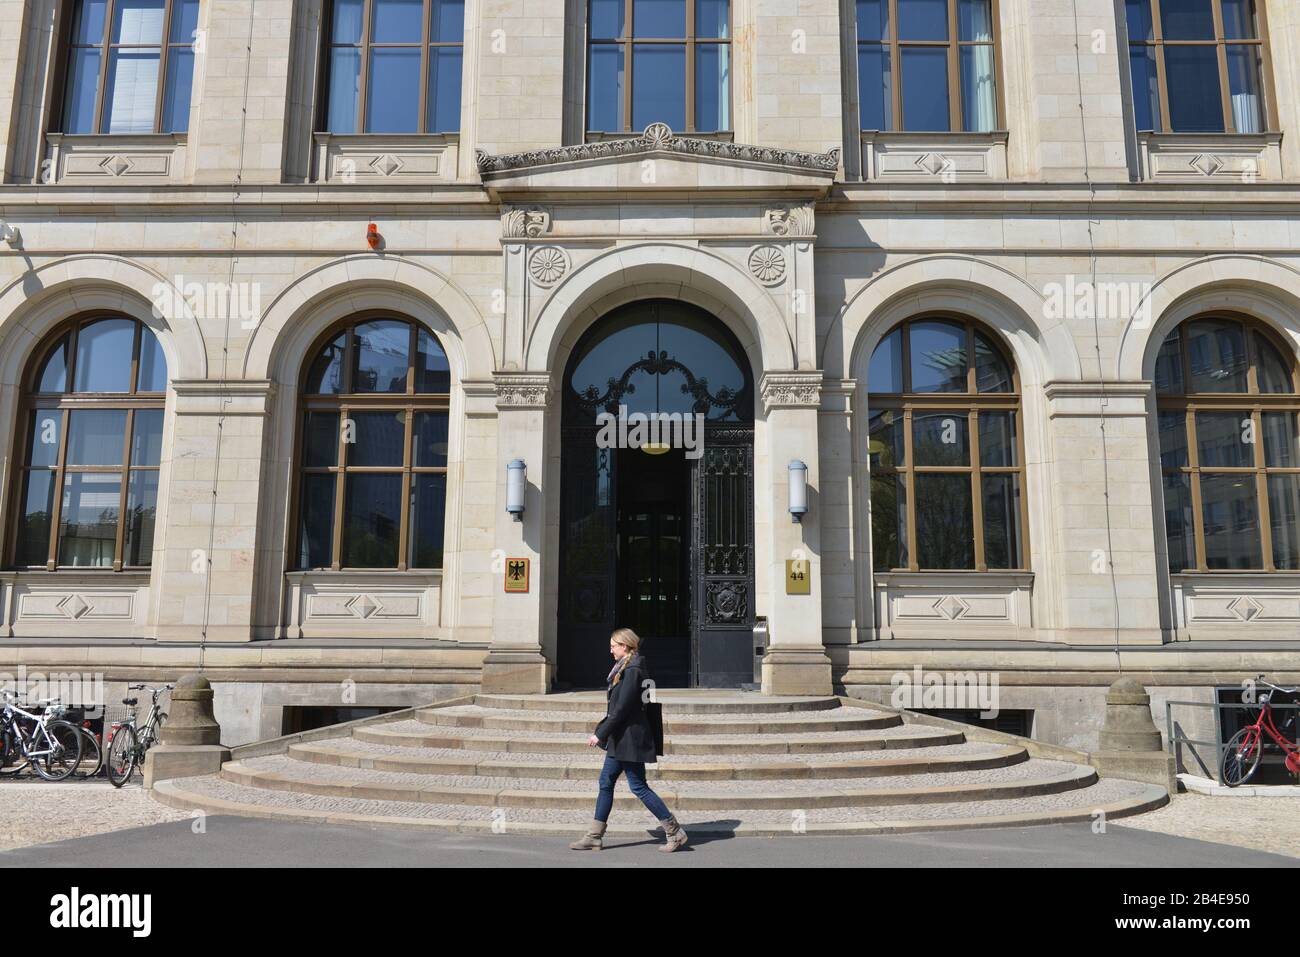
x: 629, y: 742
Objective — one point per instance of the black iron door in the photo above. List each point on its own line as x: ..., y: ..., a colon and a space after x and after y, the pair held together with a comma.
x: 723, y: 559
x: 588, y: 558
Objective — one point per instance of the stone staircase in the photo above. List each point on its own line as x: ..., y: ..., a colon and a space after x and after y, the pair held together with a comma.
x: 737, y: 763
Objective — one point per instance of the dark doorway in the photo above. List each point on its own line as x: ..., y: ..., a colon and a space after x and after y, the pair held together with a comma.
x: 653, y: 577
x: 657, y: 537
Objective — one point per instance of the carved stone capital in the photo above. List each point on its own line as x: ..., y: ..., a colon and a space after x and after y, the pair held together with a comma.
x: 522, y: 390
x: 518, y: 222
x: 791, y: 390
x: 790, y: 220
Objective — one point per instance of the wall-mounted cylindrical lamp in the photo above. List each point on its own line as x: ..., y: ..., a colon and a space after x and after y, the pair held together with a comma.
x: 798, y: 490
x: 516, y: 482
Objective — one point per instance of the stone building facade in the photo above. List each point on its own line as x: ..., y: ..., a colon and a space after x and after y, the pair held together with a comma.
x: 1059, y: 229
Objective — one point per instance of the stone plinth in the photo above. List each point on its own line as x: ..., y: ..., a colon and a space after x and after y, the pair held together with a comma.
x: 190, y: 738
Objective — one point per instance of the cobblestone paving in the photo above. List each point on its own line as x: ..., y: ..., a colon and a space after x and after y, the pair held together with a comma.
x: 1265, y: 824
x: 39, y: 813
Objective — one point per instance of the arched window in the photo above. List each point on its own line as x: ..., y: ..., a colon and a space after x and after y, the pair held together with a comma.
x: 92, y: 443
x: 1229, y: 451
x: 372, y: 448
x: 947, y: 466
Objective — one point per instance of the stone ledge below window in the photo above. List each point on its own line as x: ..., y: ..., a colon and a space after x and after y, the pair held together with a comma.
x: 106, y: 158
x: 980, y: 605
x: 72, y: 603
x: 1229, y: 605
x: 1213, y: 157
x: 385, y: 158
x: 361, y: 604
x: 939, y: 157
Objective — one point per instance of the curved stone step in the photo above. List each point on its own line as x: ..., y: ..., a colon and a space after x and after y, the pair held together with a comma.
x: 577, y: 722
x: 347, y: 752
x: 673, y: 701
x: 1111, y: 797
x: 1035, y: 777
x: 414, y: 733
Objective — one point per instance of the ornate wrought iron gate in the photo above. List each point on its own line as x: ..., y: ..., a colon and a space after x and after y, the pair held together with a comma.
x: 722, y: 559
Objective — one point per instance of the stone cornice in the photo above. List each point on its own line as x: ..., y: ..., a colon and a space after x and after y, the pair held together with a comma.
x: 791, y: 390
x: 658, y: 138
x: 1094, y: 398
x: 522, y: 390
x: 223, y: 397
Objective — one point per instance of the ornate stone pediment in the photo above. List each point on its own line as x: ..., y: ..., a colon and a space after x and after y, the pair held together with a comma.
x: 680, y: 161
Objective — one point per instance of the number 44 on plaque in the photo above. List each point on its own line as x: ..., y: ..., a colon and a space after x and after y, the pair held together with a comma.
x: 797, y: 581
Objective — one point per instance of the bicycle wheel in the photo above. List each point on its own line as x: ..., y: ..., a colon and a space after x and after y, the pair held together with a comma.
x: 1240, y: 758
x: 65, y: 751
x: 121, y: 755
x: 92, y: 756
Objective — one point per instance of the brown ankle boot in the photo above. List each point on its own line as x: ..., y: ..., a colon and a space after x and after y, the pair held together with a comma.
x: 676, y: 835
x: 591, y: 841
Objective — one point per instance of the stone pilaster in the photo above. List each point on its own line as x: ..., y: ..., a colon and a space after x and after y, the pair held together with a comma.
x: 515, y: 663
x: 796, y: 661
x: 205, y: 576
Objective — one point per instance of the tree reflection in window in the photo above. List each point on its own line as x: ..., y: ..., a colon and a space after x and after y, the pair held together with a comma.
x: 372, y: 448
x: 1227, y: 428
x: 92, y: 439
x: 943, y: 440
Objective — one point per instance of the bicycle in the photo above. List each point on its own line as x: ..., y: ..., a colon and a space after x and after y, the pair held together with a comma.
x: 52, y: 746
x: 92, y: 755
x: 127, y: 745
x: 1241, y: 757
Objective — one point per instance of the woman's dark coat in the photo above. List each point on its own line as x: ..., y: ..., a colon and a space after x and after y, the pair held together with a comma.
x: 627, y: 731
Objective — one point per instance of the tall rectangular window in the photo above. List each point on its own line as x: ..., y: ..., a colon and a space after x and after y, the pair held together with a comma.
x: 1198, y: 66
x: 658, y: 61
x: 394, y: 66
x: 927, y: 65
x: 130, y: 66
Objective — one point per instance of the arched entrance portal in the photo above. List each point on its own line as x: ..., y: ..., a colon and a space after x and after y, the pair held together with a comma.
x: 657, y: 493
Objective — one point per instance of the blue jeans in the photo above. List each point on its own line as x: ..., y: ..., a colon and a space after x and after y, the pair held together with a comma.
x: 635, y: 772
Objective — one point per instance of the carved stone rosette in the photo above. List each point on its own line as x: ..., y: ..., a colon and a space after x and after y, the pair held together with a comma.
x: 548, y: 265
x: 791, y: 390
x: 523, y: 390
x: 767, y: 264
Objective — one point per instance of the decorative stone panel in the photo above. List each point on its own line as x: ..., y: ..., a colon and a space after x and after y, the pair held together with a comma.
x: 75, y: 603
x: 1217, y: 606
x: 384, y: 158
x: 953, y: 604
x: 1197, y: 158
x: 121, y: 158
x: 364, y: 604
x: 948, y: 157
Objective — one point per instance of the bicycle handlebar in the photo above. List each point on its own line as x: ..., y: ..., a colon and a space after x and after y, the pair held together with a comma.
x: 1262, y: 681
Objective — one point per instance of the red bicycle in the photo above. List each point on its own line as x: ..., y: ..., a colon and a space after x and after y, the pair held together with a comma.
x: 1241, y: 757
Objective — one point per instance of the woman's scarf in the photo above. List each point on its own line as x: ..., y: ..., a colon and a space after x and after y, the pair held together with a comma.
x: 617, y: 670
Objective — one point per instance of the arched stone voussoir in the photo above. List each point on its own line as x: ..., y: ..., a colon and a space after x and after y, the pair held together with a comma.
x: 701, y: 276
x: 42, y: 297
x: 990, y: 293
x: 1257, y: 285
x: 356, y: 283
